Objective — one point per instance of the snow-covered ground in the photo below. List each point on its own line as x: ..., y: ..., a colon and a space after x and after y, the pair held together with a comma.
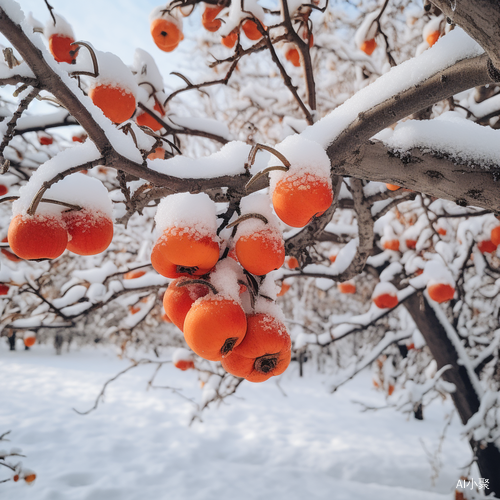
x: 296, y: 443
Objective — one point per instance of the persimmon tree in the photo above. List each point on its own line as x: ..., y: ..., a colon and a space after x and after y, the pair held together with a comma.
x: 369, y: 156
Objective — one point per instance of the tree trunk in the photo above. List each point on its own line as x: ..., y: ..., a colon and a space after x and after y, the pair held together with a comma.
x: 465, y: 398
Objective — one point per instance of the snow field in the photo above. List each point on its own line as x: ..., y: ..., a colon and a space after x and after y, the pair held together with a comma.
x: 258, y: 444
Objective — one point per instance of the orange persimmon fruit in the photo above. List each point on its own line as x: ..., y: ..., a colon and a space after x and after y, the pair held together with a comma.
x: 116, y: 103
x: 368, y: 46
x: 347, y: 287
x: 166, y: 34
x: 292, y: 263
x: 214, y: 326
x: 264, y: 352
x: 385, y: 301
x: 495, y: 235
x: 89, y: 233
x: 208, y: 18
x: 432, y: 38
x: 30, y: 478
x: 440, y: 292
x: 292, y: 55
x: 45, y: 140
x: 184, y: 364
x: 132, y: 275
x: 177, y: 300
x: 30, y: 341
x: 3, y: 189
x: 441, y: 231
x: 146, y: 120
x: 392, y: 187
x: 158, y: 153
x: 230, y: 40
x: 284, y: 288
x: 298, y: 198
x: 486, y: 246
x: 251, y: 31
x: 261, y: 252
x: 4, y: 289
x: 37, y: 236
x: 60, y: 47
x: 391, y: 245
x: 411, y: 244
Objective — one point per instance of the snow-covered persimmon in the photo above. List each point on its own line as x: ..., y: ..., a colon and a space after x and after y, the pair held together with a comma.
x: 391, y: 245
x: 292, y: 263
x: 3, y: 189
x: 117, y: 103
x: 4, y: 289
x: 385, y: 295
x: 368, y: 46
x: 61, y: 48
x: 486, y: 246
x: 208, y: 18
x: 29, y: 478
x: 89, y: 232
x: 432, y: 38
x: 167, y: 34
x: 251, y: 30
x: 230, y: 40
x: 292, y: 55
x: 146, y: 120
x: 297, y: 199
x: 37, y: 236
x: 45, y: 140
x: 132, y: 275
x: 411, y: 244
x: 440, y: 292
x: 261, y: 252
x: 183, y: 359
x: 29, y: 339
x: 348, y: 287
x: 177, y: 300
x: 158, y: 153
x: 214, y: 326
x: 264, y: 352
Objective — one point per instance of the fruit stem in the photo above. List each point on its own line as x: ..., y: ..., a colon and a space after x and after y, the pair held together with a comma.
x: 95, y: 74
x: 246, y: 217
x: 264, y: 172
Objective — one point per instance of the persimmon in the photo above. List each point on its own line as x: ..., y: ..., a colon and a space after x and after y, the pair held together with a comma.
x: 230, y: 40
x: 368, y: 46
x: 441, y: 231
x: 188, y: 249
x: 4, y: 289
x: 292, y: 263
x: 45, y: 140
x: 60, y: 47
x: 146, y: 120
x: 79, y: 138
x: 432, y: 38
x: 410, y: 346
x: 392, y: 187
x: 208, y: 18
x: 3, y: 190
x: 184, y: 365
x: 170, y: 270
x: 261, y: 252
x: 177, y: 300
x: 292, y: 55
x: 9, y: 255
x: 15, y: 478
x: 30, y: 478
x: 166, y: 34
x: 347, y: 287
x: 90, y: 233
x: 386, y: 300
x: 411, y: 244
x: 214, y: 326
x: 134, y: 309
x: 440, y: 292
x: 390, y: 390
x: 299, y: 197
x: 251, y: 31
x: 132, y: 275
x: 391, y: 245
x: 332, y: 258
x: 29, y: 341
x: 157, y: 153
x: 264, y: 352
x: 495, y: 235
x: 116, y: 103
x: 486, y: 246
x: 284, y: 288
x: 37, y: 236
